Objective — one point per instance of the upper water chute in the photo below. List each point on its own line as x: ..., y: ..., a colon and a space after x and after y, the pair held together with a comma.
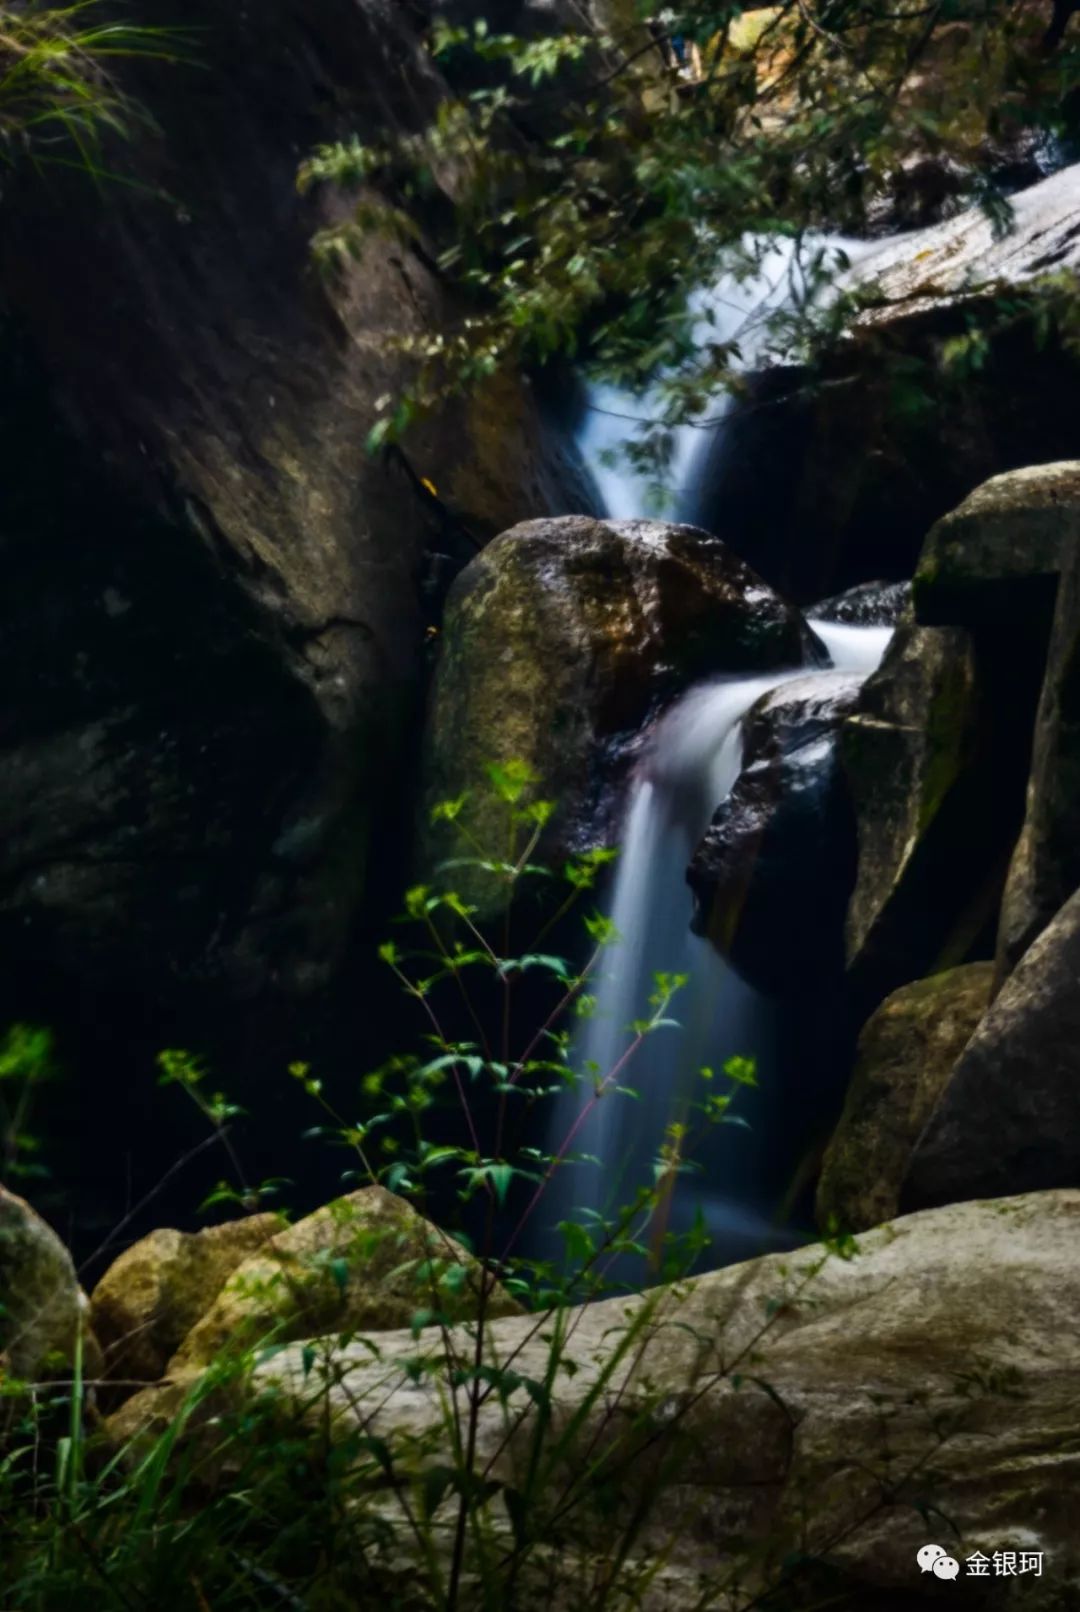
x: 739, y: 313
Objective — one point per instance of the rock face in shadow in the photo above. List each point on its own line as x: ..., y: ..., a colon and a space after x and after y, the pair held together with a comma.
x: 910, y: 752
x: 1009, y: 1117
x: 1045, y: 867
x: 773, y: 873
x: 905, y: 1058
x: 935, y: 755
x: 894, y: 426
x: 565, y: 637
x: 213, y: 635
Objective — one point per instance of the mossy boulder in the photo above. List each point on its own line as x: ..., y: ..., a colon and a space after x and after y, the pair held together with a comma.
x: 363, y: 1263
x: 150, y: 1298
x: 938, y: 749
x: 1008, y: 1118
x: 905, y: 1056
x: 565, y: 637
x: 1002, y: 549
x: 43, y: 1310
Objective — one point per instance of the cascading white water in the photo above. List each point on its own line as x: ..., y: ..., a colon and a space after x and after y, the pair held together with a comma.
x: 735, y: 310
x: 691, y: 765
x: 851, y: 648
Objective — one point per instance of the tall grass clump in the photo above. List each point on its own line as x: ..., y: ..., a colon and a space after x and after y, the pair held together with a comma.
x: 59, y: 96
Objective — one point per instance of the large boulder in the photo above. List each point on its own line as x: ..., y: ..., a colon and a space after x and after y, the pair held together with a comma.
x: 43, y: 1310
x: 905, y: 1057
x: 936, y: 755
x: 149, y: 1299
x: 773, y: 872
x: 971, y: 252
x: 947, y: 374
x: 1008, y: 1119
x: 909, y: 752
x: 939, y: 747
x: 999, y: 554
x: 1045, y: 868
x: 796, y: 1418
x: 214, y: 637
x: 564, y: 638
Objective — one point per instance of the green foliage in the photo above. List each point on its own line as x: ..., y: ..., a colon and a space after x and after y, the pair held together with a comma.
x: 26, y: 1064
x: 58, y: 97
x: 450, y: 1465
x: 591, y: 184
x: 241, y: 1490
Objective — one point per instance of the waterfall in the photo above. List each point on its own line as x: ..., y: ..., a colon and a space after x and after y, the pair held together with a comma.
x: 691, y: 763
x: 736, y: 310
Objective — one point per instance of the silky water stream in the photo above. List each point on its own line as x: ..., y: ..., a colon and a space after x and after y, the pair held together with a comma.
x: 690, y: 764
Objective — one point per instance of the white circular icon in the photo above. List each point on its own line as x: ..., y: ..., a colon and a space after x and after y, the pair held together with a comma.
x: 946, y: 1567
x: 929, y: 1555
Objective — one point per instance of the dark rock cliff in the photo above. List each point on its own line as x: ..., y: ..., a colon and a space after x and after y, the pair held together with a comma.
x: 212, y: 633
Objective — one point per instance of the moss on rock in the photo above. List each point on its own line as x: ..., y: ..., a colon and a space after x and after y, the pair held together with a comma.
x: 1007, y: 540
x: 42, y: 1307
x: 149, y: 1299
x: 564, y: 637
x: 906, y: 1053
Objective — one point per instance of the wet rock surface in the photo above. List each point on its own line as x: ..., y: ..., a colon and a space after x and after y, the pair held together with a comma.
x: 871, y: 604
x: 565, y: 637
x: 772, y: 875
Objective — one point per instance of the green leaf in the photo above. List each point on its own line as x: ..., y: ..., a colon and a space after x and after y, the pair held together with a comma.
x: 438, y: 1482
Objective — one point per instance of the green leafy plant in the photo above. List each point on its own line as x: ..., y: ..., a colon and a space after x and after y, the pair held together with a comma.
x: 580, y: 187
x: 494, y: 1079
x: 27, y: 1062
